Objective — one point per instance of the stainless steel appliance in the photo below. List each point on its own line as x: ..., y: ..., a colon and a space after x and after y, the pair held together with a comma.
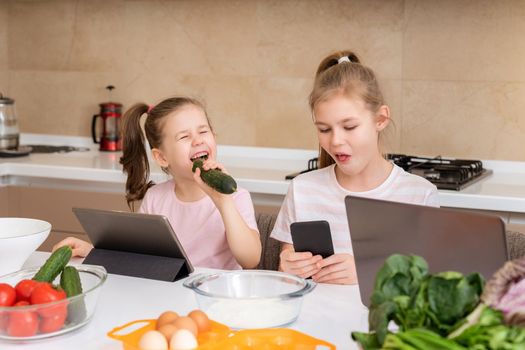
x: 9, y: 132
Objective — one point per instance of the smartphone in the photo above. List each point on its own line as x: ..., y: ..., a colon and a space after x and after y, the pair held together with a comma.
x: 312, y: 236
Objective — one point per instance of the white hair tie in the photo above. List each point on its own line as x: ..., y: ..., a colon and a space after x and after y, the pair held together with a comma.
x: 343, y: 59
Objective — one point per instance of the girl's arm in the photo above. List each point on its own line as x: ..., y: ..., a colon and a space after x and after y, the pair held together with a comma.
x: 244, y: 241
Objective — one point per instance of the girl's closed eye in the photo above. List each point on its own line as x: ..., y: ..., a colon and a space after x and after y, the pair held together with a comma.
x: 182, y: 137
x: 350, y: 127
x: 324, y: 131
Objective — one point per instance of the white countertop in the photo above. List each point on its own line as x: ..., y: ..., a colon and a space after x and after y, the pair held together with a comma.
x: 259, y: 170
x: 329, y: 312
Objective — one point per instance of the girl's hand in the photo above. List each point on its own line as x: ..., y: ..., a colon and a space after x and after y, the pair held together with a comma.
x: 207, y: 165
x: 337, y: 269
x: 302, y: 264
x: 80, y: 248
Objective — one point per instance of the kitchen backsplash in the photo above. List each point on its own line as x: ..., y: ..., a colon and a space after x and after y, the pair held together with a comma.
x: 453, y: 72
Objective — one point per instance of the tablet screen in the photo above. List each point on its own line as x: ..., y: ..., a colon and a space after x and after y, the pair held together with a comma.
x: 131, y: 232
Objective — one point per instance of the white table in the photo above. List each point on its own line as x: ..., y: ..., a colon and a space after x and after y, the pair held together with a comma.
x: 329, y: 312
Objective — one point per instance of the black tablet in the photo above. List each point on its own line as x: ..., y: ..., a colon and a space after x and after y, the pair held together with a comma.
x: 312, y: 236
x: 134, y: 244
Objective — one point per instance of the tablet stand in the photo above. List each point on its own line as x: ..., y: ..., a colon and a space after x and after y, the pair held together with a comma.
x: 139, y: 265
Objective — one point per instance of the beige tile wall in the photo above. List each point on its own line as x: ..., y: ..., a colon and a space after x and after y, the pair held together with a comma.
x: 453, y: 71
x: 464, y: 78
x: 4, y: 83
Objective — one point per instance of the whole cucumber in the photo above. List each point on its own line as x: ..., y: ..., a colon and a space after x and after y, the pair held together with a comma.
x: 216, y: 179
x: 54, y: 265
x: 70, y: 283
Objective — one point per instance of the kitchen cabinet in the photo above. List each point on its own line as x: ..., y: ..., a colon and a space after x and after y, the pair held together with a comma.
x: 49, y: 185
x: 4, y: 201
x: 55, y: 206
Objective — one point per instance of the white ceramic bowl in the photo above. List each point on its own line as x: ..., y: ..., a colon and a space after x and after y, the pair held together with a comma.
x: 19, y: 238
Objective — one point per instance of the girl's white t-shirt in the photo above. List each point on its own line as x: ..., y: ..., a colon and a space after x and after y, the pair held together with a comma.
x: 317, y: 195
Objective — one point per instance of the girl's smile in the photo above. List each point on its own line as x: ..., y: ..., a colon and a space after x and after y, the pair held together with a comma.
x: 199, y: 154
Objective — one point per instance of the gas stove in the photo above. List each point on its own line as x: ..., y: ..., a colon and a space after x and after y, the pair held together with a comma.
x: 445, y: 173
x: 56, y: 149
x: 24, y: 150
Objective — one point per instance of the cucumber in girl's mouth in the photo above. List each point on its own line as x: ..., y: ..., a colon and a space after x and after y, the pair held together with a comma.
x: 215, y: 178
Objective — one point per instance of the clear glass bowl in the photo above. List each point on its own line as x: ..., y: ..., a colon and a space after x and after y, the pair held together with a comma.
x: 80, y: 308
x: 250, y: 298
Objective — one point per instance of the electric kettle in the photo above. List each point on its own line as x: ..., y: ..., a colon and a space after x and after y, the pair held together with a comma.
x: 9, y: 132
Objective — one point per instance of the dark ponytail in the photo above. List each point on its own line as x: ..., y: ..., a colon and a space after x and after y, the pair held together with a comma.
x: 135, y: 159
x: 343, y: 73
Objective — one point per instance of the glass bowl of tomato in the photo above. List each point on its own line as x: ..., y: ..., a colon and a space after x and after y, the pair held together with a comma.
x: 32, y: 309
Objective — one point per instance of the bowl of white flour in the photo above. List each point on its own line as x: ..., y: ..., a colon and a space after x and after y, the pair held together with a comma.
x: 248, y: 299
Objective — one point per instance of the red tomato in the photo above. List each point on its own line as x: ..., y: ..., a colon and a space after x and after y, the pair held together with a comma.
x: 7, y: 295
x: 22, y: 323
x: 24, y: 288
x: 46, y: 293
x: 52, y: 324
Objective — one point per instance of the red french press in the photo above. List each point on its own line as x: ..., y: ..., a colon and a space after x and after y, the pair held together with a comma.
x: 110, y: 113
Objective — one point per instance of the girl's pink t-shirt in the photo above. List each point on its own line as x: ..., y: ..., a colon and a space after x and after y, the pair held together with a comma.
x: 198, y: 225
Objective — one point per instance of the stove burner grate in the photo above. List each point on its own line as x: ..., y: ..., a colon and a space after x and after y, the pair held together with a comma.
x: 445, y: 173
x: 56, y: 149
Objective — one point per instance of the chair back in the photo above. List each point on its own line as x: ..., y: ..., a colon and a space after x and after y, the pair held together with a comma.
x: 515, y: 244
x: 271, y: 248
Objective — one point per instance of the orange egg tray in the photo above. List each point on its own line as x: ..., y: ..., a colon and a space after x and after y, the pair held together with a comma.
x: 220, y: 337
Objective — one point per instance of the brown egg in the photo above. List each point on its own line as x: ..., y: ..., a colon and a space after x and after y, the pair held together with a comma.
x: 201, y: 319
x: 166, y: 317
x: 167, y: 330
x: 186, y: 323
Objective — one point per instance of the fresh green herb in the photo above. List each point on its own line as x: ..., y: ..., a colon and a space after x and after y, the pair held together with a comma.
x: 489, y: 333
x: 419, y: 339
x: 404, y: 292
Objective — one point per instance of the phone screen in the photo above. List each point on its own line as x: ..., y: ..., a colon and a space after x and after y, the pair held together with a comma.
x: 312, y: 236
